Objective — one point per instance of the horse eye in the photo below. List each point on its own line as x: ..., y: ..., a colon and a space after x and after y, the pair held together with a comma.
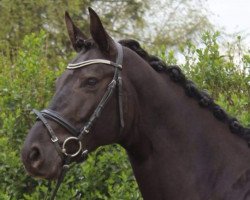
x: 91, y: 82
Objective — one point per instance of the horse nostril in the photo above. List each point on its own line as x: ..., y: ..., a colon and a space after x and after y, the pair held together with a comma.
x: 34, y: 155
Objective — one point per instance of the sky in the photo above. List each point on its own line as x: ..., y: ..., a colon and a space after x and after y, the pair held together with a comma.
x: 233, y: 15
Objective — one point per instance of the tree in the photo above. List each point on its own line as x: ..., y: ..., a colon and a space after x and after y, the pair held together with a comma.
x: 173, y: 22
x: 19, y: 18
x: 153, y: 22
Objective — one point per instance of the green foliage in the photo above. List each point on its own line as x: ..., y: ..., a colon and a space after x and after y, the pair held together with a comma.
x: 224, y: 75
x: 176, y: 21
x: 19, y: 18
x: 179, y: 20
x: 24, y: 84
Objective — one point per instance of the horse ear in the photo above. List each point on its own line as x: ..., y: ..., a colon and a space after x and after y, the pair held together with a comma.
x: 76, y: 36
x: 99, y: 34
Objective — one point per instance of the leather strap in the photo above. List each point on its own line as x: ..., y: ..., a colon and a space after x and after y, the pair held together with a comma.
x: 51, y: 133
x: 91, y: 62
x: 119, y: 59
x: 57, y: 118
x: 100, y: 106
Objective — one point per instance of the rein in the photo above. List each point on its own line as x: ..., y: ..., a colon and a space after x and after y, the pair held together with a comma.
x: 78, y: 135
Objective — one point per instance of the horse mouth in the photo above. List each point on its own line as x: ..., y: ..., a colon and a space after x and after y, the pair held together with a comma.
x: 44, y: 173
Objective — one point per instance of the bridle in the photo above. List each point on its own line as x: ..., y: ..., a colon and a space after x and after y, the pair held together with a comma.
x: 78, y: 135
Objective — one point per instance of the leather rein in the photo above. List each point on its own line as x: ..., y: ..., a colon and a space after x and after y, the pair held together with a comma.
x: 78, y: 135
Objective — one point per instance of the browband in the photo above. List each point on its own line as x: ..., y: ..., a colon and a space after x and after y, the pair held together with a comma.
x: 90, y: 62
x: 117, y: 64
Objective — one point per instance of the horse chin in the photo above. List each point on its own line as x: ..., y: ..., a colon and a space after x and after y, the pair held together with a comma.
x: 55, y: 172
x: 53, y: 176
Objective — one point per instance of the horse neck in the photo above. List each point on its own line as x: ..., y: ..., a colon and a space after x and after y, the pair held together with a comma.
x: 177, y: 149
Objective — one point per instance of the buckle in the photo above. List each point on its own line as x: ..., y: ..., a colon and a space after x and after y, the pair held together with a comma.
x: 54, y: 139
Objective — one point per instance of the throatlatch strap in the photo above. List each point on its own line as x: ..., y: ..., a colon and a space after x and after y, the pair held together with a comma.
x: 119, y: 58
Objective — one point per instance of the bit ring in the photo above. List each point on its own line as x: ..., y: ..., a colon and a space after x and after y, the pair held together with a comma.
x: 64, y: 150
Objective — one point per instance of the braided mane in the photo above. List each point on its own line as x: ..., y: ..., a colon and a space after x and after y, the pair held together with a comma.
x: 203, y: 99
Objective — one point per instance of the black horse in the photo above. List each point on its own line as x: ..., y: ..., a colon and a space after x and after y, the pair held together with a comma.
x: 179, y: 142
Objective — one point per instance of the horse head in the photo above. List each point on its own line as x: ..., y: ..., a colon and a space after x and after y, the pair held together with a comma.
x: 87, y: 109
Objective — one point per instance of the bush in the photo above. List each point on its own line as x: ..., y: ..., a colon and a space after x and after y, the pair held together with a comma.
x: 25, y: 83
x: 226, y: 76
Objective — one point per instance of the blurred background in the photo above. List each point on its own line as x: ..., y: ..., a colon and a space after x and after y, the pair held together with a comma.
x: 207, y: 39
